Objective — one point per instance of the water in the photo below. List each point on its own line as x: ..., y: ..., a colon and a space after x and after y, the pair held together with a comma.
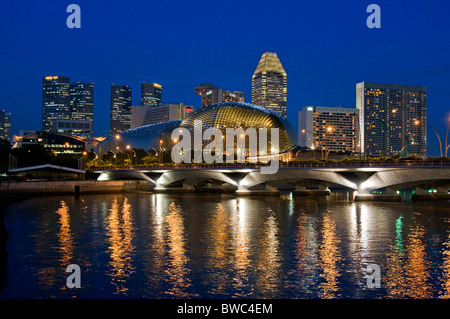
x: 144, y: 245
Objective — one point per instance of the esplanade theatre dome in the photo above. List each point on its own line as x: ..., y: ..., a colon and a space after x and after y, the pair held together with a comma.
x: 221, y: 115
x: 235, y: 115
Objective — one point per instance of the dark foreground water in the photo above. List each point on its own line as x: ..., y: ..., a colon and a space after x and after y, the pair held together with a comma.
x: 143, y: 245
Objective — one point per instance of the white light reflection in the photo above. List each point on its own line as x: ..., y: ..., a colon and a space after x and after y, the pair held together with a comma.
x: 241, y: 247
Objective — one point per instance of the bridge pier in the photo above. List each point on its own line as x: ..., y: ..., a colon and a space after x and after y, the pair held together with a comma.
x: 265, y: 190
x: 185, y: 188
x: 422, y: 193
x: 301, y: 190
x: 390, y: 195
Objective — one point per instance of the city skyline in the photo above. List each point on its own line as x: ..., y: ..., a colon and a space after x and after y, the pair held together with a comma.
x: 325, y: 55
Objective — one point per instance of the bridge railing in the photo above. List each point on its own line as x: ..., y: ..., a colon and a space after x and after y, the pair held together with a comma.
x: 282, y: 165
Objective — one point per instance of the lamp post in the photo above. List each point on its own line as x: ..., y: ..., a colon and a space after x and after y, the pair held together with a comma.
x: 446, y: 136
x: 440, y: 143
x: 329, y: 130
x: 313, y: 147
x: 160, y: 152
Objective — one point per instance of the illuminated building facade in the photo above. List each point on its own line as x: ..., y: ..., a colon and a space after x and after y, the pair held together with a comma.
x: 393, y: 119
x: 82, y: 106
x: 120, y: 108
x: 329, y: 128
x: 55, y: 100
x: 81, y: 129
x: 51, y: 141
x: 147, y: 115
x: 269, y: 84
x: 211, y: 94
x: 151, y: 94
x: 5, y: 125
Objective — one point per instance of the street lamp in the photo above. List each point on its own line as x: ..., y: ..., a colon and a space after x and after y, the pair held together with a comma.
x: 446, y: 136
x: 311, y: 140
x: 160, y: 151
x: 417, y: 122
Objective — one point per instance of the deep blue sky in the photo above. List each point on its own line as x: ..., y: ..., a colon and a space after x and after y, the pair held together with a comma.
x: 324, y: 46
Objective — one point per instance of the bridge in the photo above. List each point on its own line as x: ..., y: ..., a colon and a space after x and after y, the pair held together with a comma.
x: 368, y: 181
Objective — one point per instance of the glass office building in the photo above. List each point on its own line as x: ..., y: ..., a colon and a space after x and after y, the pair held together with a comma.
x: 120, y: 116
x: 151, y: 94
x: 82, y: 103
x: 55, y: 101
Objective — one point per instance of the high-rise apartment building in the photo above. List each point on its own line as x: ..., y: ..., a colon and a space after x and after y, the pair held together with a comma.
x: 393, y: 119
x: 82, y: 104
x: 151, y: 94
x: 5, y: 125
x: 269, y: 84
x: 329, y: 129
x: 211, y: 94
x: 55, y: 101
x: 120, y: 108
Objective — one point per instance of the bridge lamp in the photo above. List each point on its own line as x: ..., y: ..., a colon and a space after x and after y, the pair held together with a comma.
x: 366, y: 184
x: 117, y: 136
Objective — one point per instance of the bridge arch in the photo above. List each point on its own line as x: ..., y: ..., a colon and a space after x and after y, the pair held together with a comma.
x: 294, y: 176
x: 404, y: 177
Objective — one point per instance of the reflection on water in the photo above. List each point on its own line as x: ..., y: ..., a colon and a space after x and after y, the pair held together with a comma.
x: 329, y: 257
x: 144, y: 245
x: 121, y: 250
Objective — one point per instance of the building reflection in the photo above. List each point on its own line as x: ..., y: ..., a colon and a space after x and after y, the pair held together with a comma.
x: 65, y: 236
x: 241, y: 244
x: 408, y: 269
x: 269, y: 263
x: 446, y: 268
x: 120, y: 233
x: 305, y: 255
x: 218, y: 251
x: 177, y: 270
x: 329, y: 258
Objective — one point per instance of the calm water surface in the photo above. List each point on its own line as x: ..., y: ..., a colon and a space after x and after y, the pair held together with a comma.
x: 144, y: 245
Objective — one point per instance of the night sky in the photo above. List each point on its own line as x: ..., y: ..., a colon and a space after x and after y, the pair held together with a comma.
x: 325, y: 47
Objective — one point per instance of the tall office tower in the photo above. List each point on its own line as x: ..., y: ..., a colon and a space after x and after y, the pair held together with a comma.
x: 120, y: 108
x: 55, y: 101
x: 269, y: 84
x: 393, y: 119
x: 82, y: 103
x: 151, y: 94
x: 211, y: 94
x: 329, y: 128
x: 5, y: 125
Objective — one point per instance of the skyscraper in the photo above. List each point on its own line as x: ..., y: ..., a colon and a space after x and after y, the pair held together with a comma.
x: 151, y: 94
x: 393, y: 119
x: 82, y: 102
x: 120, y: 108
x: 55, y: 101
x: 5, y: 125
x: 211, y: 94
x: 269, y: 84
